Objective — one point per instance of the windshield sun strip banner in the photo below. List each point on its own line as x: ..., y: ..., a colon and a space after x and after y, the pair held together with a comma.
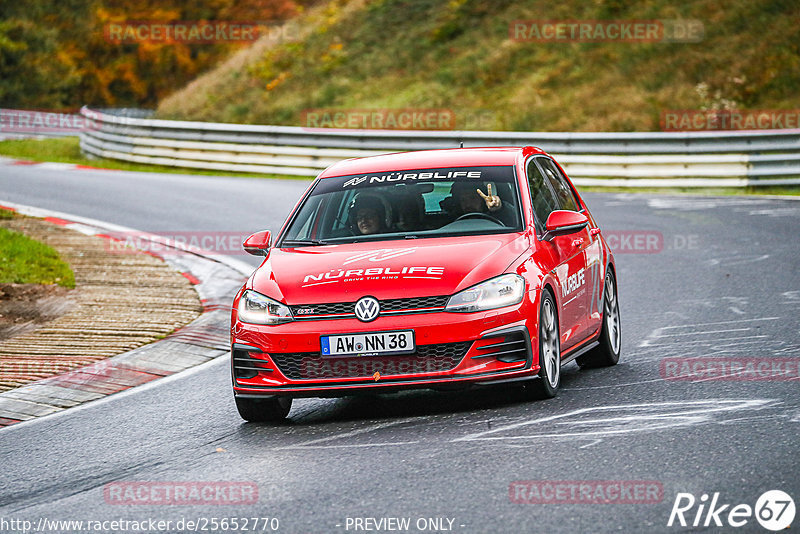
x: 494, y: 173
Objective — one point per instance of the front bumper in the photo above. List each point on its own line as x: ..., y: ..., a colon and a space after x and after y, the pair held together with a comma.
x: 453, y: 350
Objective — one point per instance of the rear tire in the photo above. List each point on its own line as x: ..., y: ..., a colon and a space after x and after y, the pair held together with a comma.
x: 546, y: 385
x: 607, y: 352
x: 264, y: 410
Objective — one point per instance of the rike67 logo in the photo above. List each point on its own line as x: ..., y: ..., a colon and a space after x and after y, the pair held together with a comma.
x: 774, y: 511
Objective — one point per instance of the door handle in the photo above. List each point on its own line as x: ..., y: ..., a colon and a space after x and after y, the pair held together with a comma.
x: 577, y: 242
x: 594, y: 231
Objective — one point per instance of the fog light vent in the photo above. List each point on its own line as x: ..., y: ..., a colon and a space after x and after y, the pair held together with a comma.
x: 508, y: 347
x: 247, y: 366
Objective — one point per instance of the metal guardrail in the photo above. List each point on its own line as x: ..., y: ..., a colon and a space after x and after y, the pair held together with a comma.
x: 658, y: 159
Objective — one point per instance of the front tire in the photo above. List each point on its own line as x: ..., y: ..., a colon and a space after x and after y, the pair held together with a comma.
x: 264, y: 410
x: 607, y: 353
x: 546, y: 385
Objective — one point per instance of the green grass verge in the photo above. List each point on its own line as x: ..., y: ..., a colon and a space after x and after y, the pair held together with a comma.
x: 26, y: 261
x: 67, y: 150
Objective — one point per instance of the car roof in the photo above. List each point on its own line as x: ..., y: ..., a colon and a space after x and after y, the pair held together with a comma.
x: 430, y: 159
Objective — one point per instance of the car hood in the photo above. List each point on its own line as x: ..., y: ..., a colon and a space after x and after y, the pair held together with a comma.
x: 385, y: 269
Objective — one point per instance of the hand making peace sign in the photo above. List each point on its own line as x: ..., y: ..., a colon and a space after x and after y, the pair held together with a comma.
x: 493, y: 202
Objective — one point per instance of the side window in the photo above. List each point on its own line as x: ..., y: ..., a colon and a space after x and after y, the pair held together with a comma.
x: 566, y: 199
x: 544, y: 201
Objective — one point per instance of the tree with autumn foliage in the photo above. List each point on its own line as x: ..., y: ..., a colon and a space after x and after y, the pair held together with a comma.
x: 55, y: 54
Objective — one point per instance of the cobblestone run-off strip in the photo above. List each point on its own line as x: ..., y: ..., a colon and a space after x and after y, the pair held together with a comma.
x: 123, y: 303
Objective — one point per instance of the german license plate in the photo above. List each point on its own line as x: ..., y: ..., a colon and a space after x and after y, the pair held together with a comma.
x: 368, y: 344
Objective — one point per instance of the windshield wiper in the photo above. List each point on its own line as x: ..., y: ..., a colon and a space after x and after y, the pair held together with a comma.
x: 296, y: 242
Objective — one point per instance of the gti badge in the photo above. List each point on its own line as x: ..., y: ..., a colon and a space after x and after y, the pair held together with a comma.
x: 367, y: 309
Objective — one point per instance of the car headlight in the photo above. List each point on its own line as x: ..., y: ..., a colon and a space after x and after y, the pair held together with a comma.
x: 504, y: 290
x: 259, y: 309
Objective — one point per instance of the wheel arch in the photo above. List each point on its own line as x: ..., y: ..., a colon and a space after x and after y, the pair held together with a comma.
x: 612, y: 268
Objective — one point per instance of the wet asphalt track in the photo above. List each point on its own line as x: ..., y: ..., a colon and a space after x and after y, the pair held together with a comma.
x: 726, y: 283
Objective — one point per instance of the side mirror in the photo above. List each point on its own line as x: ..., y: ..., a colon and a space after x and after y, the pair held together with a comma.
x: 258, y: 244
x: 564, y: 222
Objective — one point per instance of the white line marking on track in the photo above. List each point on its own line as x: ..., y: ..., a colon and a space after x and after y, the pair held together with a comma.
x: 662, y: 330
x: 718, y: 323
x: 53, y: 166
x: 350, y: 445
x: 615, y: 385
x: 713, y: 262
x: 645, y: 417
x: 701, y: 341
x: 351, y: 433
x: 704, y: 332
x: 710, y: 379
x: 738, y: 341
x: 222, y: 359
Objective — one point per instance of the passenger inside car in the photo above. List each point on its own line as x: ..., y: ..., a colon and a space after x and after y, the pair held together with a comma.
x: 367, y: 215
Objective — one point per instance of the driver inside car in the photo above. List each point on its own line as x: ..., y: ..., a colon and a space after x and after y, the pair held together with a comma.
x: 469, y: 199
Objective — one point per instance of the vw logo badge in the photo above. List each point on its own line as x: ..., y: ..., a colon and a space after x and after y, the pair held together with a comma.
x: 367, y: 309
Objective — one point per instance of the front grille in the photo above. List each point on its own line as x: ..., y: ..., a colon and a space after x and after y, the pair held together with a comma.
x: 324, y: 309
x: 427, y: 359
x: 413, y: 303
x: 389, y: 305
x: 507, y: 348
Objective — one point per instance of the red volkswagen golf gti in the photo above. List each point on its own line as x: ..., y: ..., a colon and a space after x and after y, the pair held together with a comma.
x: 430, y: 269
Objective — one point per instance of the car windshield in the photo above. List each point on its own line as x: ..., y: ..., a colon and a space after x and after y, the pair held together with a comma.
x: 408, y: 204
